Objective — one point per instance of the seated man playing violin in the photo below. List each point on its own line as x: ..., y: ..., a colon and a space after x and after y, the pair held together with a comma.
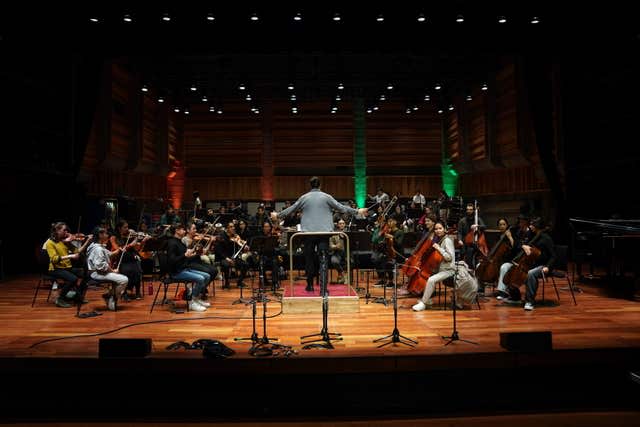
x: 228, y: 250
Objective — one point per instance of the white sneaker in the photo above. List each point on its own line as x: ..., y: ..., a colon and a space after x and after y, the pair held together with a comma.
x: 420, y: 306
x: 111, y: 304
x: 194, y: 306
x: 528, y: 306
x: 203, y: 303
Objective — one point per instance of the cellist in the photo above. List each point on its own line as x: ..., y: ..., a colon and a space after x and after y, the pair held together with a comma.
x: 446, y: 269
x: 518, y: 235
x: 542, y: 265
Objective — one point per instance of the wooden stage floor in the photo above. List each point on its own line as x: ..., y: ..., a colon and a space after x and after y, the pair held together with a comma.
x: 598, y: 321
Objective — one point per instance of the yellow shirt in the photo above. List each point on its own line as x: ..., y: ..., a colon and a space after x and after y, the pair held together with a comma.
x: 56, y: 251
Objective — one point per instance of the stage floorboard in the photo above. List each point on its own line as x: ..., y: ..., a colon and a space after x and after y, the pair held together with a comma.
x: 598, y: 321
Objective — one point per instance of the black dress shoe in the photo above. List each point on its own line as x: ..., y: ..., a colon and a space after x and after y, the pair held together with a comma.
x: 309, y: 288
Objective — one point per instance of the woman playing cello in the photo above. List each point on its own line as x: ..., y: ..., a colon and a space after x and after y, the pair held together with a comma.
x: 443, y: 246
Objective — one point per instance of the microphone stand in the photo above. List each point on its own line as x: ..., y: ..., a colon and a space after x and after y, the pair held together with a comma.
x: 395, y: 336
x: 454, y: 335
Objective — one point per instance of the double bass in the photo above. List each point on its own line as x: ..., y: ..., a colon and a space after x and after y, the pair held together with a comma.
x: 489, y: 267
x: 476, y: 237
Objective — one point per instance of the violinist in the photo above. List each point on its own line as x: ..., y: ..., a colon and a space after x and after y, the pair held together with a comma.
x: 226, y: 249
x: 200, y: 243
x: 446, y: 269
x: 61, y: 254
x: 542, y: 265
x: 129, y: 262
x: 467, y: 227
x: 178, y: 256
x: 337, y: 250
x: 99, y: 265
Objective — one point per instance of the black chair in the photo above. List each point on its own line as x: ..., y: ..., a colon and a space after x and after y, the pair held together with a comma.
x: 166, y: 280
x: 92, y: 283
x: 42, y: 258
x: 560, y: 271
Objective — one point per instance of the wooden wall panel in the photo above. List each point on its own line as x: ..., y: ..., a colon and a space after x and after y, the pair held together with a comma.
x: 121, y: 127
x: 109, y: 183
x: 453, y: 139
x: 149, y: 130
x: 223, y: 188
x: 476, y: 115
x: 313, y: 139
x: 407, y: 185
x: 506, y: 113
x: 502, y: 181
x: 397, y: 140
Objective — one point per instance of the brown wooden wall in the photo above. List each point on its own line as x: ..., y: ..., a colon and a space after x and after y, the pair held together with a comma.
x: 136, y: 142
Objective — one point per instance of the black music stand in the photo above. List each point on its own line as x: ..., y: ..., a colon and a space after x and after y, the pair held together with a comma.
x: 395, y: 335
x: 355, y: 238
x: 454, y: 335
x: 265, y: 246
x: 324, y: 334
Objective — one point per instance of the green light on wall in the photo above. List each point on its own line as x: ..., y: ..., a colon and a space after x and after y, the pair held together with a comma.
x: 449, y: 179
x: 359, y: 154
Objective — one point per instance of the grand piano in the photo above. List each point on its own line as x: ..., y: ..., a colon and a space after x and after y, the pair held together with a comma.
x: 610, y: 244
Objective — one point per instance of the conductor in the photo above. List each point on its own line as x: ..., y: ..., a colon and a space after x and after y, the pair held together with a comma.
x: 317, y: 215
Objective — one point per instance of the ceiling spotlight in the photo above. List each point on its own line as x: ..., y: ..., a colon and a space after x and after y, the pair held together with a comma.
x: 210, y: 17
x: 440, y: 111
x: 333, y: 111
x: 219, y: 111
x: 380, y: 18
x: 375, y: 108
x: 389, y: 86
x: 177, y: 110
x: 535, y: 20
x: 204, y: 99
x: 340, y: 86
x: 160, y: 100
x: 450, y: 107
x: 242, y: 86
x: 484, y: 87
x: 502, y: 19
x: 408, y: 111
x: 212, y: 109
x: 193, y: 88
x: 297, y: 17
x: 437, y: 86
x: 421, y: 18
x: 369, y: 110
x: 254, y: 17
x: 294, y: 111
x: 427, y: 98
x: 336, y: 17
x: 459, y: 18
x: 469, y: 98
x: 253, y: 109
x: 383, y: 98
x: 291, y: 86
x: 93, y: 19
x: 338, y: 98
x: 186, y: 112
x: 293, y: 97
x: 145, y: 88
x: 127, y: 18
x: 166, y: 17
x: 415, y: 108
x: 248, y: 98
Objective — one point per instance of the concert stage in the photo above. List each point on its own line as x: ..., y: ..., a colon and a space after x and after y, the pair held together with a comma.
x: 596, y: 347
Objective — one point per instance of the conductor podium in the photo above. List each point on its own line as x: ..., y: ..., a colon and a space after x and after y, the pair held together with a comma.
x: 342, y: 298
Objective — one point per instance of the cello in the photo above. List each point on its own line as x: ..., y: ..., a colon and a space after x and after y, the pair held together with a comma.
x: 489, y: 267
x: 522, y: 263
x: 426, y: 261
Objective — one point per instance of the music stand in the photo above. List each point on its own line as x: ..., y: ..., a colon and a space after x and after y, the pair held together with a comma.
x: 265, y: 246
x: 324, y: 334
x: 395, y: 335
x: 356, y: 237
x: 454, y: 335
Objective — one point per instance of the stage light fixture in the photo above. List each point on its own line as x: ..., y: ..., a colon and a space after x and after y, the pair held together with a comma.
x: 340, y: 86
x: 469, y: 98
x: 502, y: 19
x: 450, y: 107
x: 535, y: 20
x: 383, y: 98
x: 210, y: 17
x: 337, y: 17
x: 415, y: 108
x: 380, y: 18
x: 389, y: 86
x: 438, y: 86
x: 204, y: 99
x: 212, y: 109
x: 459, y: 19
x: 176, y: 109
x: 440, y: 111
x: 338, y: 98
x: 127, y: 18
x: 161, y: 100
x: 242, y: 86
x: 297, y: 17
x: 484, y: 86
x: 145, y: 88
x: 421, y: 17
x: 293, y: 97
x: 291, y: 86
x: 166, y: 17
x: 194, y: 88
x: 254, y: 17
x: 427, y: 98
x: 219, y: 111
x: 369, y: 110
x: 94, y: 19
x: 376, y: 108
x: 248, y: 98
x: 186, y: 112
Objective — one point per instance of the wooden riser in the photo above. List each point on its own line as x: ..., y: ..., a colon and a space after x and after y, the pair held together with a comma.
x: 302, y: 305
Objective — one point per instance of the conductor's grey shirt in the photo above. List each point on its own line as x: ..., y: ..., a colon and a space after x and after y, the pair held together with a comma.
x: 317, y: 211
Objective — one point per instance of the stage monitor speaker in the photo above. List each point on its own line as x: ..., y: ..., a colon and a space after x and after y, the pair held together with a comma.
x: 526, y: 341
x: 124, y: 347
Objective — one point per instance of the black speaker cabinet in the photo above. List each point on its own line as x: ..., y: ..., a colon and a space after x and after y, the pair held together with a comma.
x: 124, y: 347
x: 526, y: 341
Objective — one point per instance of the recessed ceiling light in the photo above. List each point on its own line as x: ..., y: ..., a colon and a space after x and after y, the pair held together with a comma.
x: 210, y: 17
x: 254, y: 17
x: 166, y: 17
x: 145, y: 88
x: 383, y: 98
x: 459, y: 18
x: 380, y: 18
x: 204, y: 99
x: 440, y: 111
x: 427, y: 98
x: 421, y: 18
x: 337, y: 17
x: 297, y: 17
x: 127, y: 18
x: 177, y: 110
x: 242, y: 86
x: 291, y: 86
x: 437, y: 86
x: 212, y: 109
x: 469, y: 98
x: 193, y: 88
x: 535, y: 20
x: 94, y: 19
x: 484, y: 86
x: 160, y: 100
x: 340, y: 86
x: 389, y: 86
x: 450, y: 107
x: 502, y: 19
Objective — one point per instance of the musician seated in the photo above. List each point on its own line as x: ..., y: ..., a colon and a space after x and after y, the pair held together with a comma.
x: 61, y: 253
x: 170, y: 217
x: 227, y: 253
x: 178, y: 256
x: 465, y: 225
x: 543, y: 264
x: 384, y: 254
x: 337, y: 251
x: 446, y: 269
x: 201, y: 244
x: 99, y: 265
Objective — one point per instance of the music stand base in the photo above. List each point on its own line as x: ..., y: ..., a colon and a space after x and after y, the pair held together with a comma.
x: 396, y: 337
x: 455, y: 337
